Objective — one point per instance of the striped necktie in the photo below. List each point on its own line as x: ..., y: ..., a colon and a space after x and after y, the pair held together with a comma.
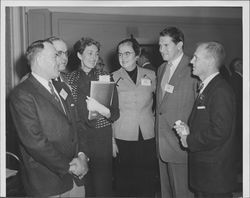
x: 165, y: 78
x: 53, y: 93
x: 199, y: 87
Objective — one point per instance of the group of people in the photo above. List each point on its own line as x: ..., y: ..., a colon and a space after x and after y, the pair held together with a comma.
x: 190, y: 137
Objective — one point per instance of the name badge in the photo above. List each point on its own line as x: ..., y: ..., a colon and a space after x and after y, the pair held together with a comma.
x: 64, y: 94
x: 201, y: 107
x: 169, y: 88
x: 145, y: 82
x: 104, y: 78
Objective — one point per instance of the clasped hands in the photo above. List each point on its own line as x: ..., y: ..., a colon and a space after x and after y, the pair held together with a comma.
x: 79, y: 166
x: 93, y: 105
x: 182, y: 130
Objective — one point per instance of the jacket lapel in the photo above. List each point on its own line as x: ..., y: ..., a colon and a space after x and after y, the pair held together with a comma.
x: 45, y: 93
x: 127, y: 78
x: 176, y: 77
x: 64, y: 93
x: 160, y: 74
x: 202, y: 98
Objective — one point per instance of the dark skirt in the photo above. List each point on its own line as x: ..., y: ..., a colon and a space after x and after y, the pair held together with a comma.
x: 98, y: 181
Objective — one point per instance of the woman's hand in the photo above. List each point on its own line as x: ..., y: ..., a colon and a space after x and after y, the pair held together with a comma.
x: 93, y: 105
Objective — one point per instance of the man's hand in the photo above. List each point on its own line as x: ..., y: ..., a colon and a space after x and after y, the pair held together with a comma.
x: 79, y: 166
x: 182, y: 130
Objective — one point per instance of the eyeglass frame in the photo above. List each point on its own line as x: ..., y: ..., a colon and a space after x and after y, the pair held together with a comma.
x: 126, y: 54
x: 60, y: 53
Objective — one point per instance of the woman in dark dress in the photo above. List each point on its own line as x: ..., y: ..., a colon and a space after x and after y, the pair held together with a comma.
x: 98, y: 132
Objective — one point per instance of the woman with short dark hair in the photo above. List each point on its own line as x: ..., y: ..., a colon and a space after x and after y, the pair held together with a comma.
x: 97, y: 132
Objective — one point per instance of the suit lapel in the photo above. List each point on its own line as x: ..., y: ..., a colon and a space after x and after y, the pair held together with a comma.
x: 202, y: 98
x: 161, y: 72
x: 65, y: 95
x: 176, y: 77
x: 127, y: 78
x: 45, y: 93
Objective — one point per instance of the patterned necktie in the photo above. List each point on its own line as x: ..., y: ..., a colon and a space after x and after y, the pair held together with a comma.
x: 165, y: 78
x: 52, y: 91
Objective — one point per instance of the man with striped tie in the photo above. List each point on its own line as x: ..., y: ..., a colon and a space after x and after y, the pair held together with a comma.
x: 176, y: 92
x: 51, y: 161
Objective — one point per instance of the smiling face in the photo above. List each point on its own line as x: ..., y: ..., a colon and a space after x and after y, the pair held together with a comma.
x: 168, y: 49
x: 89, y: 57
x: 62, y: 51
x: 127, y: 57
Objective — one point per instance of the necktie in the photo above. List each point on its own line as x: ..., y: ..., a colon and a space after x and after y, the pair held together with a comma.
x: 53, y: 93
x: 200, y: 86
x: 165, y: 78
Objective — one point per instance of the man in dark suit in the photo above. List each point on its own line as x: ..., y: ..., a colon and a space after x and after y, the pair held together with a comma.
x: 51, y: 160
x: 176, y: 92
x: 237, y: 85
x: 210, y: 137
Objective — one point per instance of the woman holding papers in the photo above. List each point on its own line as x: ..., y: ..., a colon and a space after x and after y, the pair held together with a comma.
x: 98, y: 131
x: 134, y: 130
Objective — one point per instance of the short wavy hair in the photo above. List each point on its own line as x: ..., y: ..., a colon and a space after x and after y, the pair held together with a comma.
x: 33, y: 49
x: 175, y: 33
x: 135, y: 45
x: 81, y: 44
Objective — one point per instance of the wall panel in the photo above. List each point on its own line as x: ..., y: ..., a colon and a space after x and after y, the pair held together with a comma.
x: 110, y: 29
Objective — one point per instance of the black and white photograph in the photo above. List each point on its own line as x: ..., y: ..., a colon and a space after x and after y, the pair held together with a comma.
x: 125, y: 99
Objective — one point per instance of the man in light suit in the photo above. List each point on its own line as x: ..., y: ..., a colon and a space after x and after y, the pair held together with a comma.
x: 210, y: 137
x: 48, y: 139
x: 176, y: 92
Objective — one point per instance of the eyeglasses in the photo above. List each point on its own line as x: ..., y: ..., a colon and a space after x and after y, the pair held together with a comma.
x: 125, y: 54
x: 60, y: 53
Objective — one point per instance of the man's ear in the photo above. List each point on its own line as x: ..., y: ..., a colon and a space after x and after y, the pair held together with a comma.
x: 180, y: 45
x: 39, y: 59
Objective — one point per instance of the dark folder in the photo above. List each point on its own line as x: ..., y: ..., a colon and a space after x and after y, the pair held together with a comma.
x: 101, y: 92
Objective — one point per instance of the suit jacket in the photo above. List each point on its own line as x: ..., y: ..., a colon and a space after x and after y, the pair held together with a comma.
x: 135, y: 104
x: 211, y: 141
x: 64, y: 91
x: 174, y: 106
x: 48, y: 141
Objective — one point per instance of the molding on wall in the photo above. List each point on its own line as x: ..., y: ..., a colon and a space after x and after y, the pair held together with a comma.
x: 108, y: 18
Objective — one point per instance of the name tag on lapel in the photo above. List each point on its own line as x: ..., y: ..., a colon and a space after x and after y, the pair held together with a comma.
x: 201, y: 107
x: 169, y: 88
x: 145, y: 82
x: 63, y: 93
x: 104, y: 78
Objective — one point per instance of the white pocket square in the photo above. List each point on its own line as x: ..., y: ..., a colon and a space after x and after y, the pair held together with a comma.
x: 201, y: 107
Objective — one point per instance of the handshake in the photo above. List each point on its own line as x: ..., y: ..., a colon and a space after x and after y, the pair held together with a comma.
x: 79, y: 166
x: 182, y: 130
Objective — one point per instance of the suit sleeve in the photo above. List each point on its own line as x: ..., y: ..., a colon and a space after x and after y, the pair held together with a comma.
x: 36, y: 144
x: 217, y: 127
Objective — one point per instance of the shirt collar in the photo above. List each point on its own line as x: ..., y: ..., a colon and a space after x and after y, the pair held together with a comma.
x: 41, y: 80
x: 176, y: 61
x: 208, y: 79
